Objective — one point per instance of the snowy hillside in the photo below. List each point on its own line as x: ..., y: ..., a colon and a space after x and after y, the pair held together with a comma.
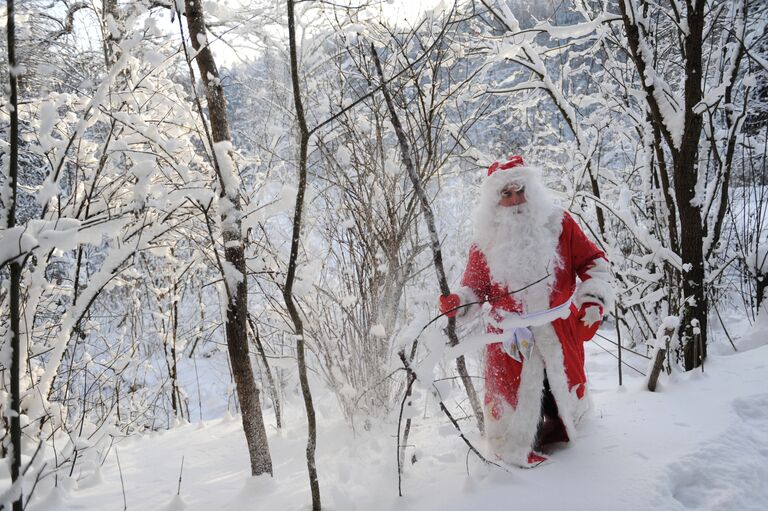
x: 701, y: 443
x: 249, y: 237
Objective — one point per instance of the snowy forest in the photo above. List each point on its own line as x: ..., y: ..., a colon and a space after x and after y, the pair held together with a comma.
x: 225, y: 227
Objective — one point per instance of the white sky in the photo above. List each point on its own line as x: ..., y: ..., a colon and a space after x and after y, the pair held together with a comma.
x: 396, y: 12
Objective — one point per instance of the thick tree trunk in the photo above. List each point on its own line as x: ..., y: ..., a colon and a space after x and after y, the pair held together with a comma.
x: 234, y: 251
x: 693, y: 329
x: 15, y: 290
x: 298, y: 325
x: 684, y: 150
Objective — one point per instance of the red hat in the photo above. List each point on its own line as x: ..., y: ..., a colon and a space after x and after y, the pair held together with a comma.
x: 513, y: 161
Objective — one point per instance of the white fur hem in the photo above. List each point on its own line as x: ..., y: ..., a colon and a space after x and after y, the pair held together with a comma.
x: 513, y: 435
x: 570, y: 408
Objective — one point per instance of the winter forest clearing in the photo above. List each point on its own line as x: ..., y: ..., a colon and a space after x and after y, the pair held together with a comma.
x: 384, y: 255
x: 696, y: 448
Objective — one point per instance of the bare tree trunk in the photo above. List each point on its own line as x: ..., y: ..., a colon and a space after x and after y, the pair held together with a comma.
x: 234, y: 251
x: 598, y: 210
x: 694, y: 324
x: 15, y: 291
x: 658, y: 364
x: 685, y: 151
x: 437, y: 254
x: 761, y: 282
x: 109, y: 41
x: 174, y: 365
x: 270, y: 378
x: 298, y: 325
x: 662, y: 344
x: 170, y: 358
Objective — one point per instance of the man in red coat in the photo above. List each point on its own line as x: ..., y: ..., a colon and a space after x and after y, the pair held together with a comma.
x: 535, y: 384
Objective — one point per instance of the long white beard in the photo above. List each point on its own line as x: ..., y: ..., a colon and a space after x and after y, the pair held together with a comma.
x: 520, y: 246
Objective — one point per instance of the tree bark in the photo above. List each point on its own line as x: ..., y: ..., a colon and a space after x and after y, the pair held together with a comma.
x: 273, y: 390
x: 658, y: 361
x: 685, y: 153
x: 686, y: 175
x: 234, y: 251
x: 15, y: 269
x: 598, y: 210
x: 298, y: 325
x: 761, y: 282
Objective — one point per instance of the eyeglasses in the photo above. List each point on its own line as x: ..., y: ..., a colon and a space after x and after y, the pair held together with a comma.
x: 512, y: 189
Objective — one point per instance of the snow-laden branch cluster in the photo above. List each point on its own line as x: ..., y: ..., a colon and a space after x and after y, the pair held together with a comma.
x: 140, y: 214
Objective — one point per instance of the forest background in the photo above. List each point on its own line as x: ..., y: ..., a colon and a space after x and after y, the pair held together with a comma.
x: 278, y: 192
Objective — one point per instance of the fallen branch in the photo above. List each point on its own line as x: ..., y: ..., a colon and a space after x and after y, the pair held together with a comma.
x: 658, y: 362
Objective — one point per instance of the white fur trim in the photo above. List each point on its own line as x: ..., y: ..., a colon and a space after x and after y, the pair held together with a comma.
x: 571, y: 409
x: 600, y: 269
x: 594, y: 290
x: 520, y: 175
x: 512, y: 436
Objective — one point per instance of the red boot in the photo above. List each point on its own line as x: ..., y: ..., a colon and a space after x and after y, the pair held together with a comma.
x: 535, y: 459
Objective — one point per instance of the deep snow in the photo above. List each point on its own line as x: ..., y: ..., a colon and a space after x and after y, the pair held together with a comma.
x: 700, y: 442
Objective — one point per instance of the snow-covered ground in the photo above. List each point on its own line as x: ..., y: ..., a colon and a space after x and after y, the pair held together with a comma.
x: 700, y: 442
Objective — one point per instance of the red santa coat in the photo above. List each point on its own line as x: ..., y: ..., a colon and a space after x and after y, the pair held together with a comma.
x: 513, y: 390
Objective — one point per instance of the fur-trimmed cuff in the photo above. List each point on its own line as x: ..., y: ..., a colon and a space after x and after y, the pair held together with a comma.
x: 594, y: 290
x: 467, y: 296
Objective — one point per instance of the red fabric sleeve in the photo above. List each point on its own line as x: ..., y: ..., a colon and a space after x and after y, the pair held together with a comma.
x: 476, y: 275
x: 583, y: 250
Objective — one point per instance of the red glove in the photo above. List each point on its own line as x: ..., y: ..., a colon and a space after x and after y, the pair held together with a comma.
x: 588, y: 320
x: 448, y: 304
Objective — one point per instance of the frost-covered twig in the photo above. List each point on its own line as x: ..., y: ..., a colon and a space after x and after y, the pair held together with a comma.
x: 122, y: 483
x: 181, y: 471
x: 437, y: 256
x: 290, y: 303
x: 623, y: 348
x: 401, y: 447
x: 447, y: 413
x: 616, y: 357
